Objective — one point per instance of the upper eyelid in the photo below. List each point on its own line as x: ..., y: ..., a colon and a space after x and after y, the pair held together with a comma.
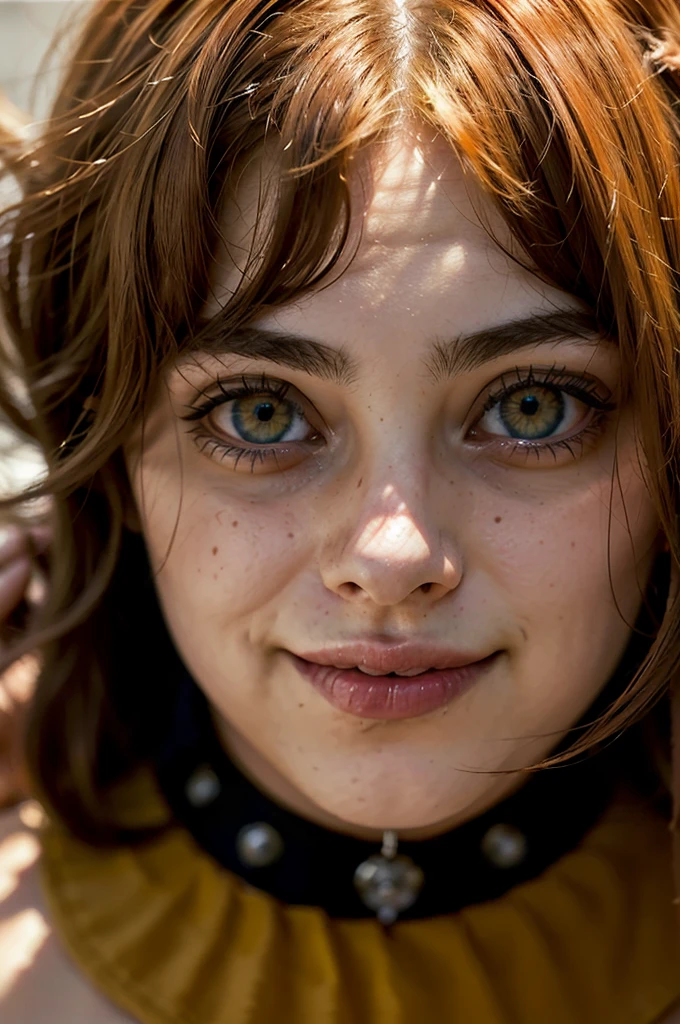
x: 558, y: 377
x: 230, y: 390
x: 544, y: 374
x: 515, y: 377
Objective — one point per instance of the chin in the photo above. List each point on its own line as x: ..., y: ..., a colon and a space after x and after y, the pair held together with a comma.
x: 403, y: 810
x: 402, y: 820
x: 406, y: 795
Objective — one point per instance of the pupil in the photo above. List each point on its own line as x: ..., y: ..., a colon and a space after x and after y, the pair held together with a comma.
x: 529, y: 406
x: 264, y: 412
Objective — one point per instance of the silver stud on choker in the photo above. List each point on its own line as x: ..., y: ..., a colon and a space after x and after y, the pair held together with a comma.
x: 259, y: 845
x: 505, y: 846
x: 388, y: 883
x: 202, y: 787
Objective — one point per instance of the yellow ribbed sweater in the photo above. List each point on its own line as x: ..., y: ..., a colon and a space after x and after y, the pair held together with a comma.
x: 173, y: 938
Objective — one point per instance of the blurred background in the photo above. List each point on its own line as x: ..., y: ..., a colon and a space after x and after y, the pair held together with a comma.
x: 26, y: 30
x: 30, y: 69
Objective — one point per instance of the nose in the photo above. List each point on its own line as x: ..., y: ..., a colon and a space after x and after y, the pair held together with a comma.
x: 395, y: 553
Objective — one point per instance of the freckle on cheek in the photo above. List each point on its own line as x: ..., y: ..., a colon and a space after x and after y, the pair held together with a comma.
x: 235, y: 522
x: 498, y: 519
x: 214, y: 551
x: 291, y: 536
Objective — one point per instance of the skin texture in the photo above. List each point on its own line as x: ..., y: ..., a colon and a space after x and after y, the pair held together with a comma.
x: 408, y: 518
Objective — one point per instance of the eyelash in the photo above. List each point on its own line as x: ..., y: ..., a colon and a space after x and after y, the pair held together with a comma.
x: 583, y: 389
x: 263, y: 385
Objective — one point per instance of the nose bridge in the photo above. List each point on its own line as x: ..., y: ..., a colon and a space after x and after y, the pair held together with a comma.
x: 390, y: 529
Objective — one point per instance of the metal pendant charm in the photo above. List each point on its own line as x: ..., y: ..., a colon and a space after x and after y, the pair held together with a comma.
x: 388, y: 883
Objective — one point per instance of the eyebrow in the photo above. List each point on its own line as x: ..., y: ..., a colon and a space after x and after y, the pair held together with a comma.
x: 291, y: 350
x: 468, y: 352
x: 446, y: 359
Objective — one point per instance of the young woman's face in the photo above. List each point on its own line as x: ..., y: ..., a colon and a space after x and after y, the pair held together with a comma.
x: 401, y: 472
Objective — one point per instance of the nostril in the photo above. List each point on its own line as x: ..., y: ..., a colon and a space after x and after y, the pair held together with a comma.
x: 349, y: 589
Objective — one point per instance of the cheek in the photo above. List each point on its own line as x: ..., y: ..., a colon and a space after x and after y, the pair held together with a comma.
x: 217, y: 558
x: 587, y: 537
x: 573, y: 576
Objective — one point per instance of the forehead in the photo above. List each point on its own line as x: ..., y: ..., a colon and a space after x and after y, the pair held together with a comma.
x: 413, y: 191
x: 410, y: 191
x: 426, y: 247
x: 423, y: 226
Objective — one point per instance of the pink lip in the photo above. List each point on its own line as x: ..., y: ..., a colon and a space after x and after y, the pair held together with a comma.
x: 333, y: 673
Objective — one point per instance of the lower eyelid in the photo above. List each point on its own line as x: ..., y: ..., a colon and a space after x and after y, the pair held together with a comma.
x: 222, y: 450
x: 509, y: 446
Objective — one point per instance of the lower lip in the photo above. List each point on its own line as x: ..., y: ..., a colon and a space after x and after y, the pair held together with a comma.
x: 391, y: 697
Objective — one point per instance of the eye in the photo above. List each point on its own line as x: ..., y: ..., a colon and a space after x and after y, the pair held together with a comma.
x: 538, y: 410
x: 533, y: 413
x: 254, y: 422
x: 261, y: 419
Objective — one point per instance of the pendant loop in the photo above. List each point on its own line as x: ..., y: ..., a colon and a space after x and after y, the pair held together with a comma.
x: 389, y: 844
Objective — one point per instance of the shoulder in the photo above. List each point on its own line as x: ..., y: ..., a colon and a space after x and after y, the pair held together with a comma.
x: 38, y: 983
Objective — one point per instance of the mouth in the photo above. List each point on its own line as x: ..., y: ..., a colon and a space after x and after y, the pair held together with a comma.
x: 391, y: 682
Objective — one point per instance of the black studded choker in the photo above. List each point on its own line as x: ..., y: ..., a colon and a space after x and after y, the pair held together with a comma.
x: 302, y: 863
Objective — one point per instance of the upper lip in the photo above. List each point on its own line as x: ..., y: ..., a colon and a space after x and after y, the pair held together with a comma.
x: 386, y: 657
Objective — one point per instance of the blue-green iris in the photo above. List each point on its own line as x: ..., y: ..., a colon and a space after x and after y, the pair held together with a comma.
x: 532, y: 412
x: 261, y: 419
